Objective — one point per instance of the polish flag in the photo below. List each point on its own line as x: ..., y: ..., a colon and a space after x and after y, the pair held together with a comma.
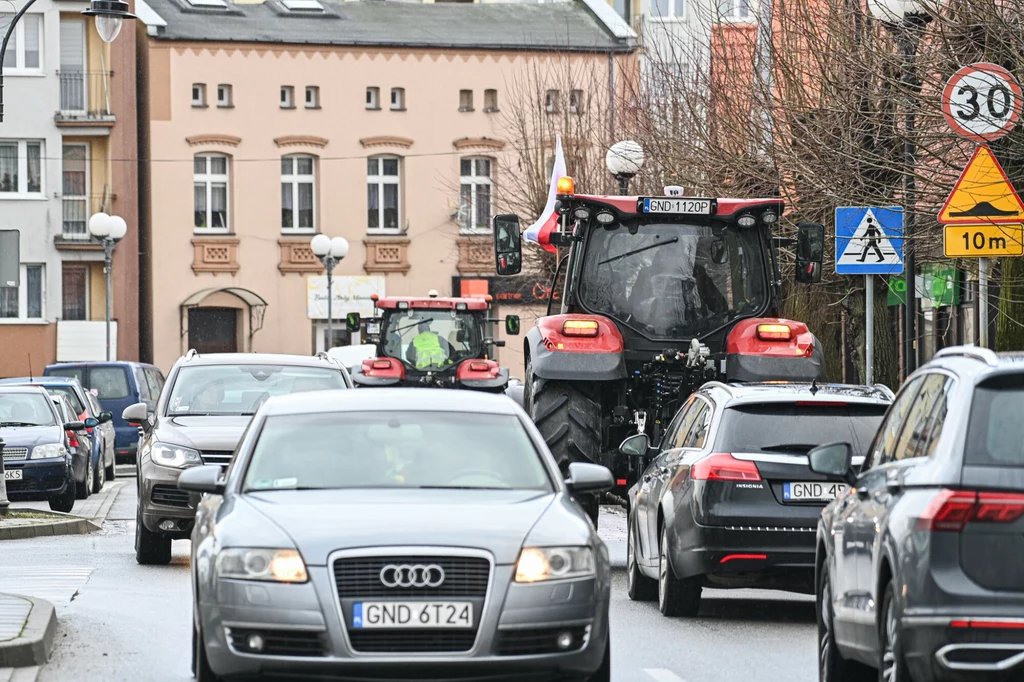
x: 540, y: 231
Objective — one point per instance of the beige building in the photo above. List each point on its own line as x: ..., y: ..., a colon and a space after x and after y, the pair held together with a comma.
x: 380, y: 122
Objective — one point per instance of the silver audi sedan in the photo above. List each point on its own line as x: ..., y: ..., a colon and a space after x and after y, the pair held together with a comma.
x: 397, y: 534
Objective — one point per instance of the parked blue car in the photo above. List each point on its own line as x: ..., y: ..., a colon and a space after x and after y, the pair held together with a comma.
x: 117, y: 385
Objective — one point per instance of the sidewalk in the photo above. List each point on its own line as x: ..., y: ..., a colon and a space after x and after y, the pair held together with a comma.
x: 95, y: 508
x: 27, y: 630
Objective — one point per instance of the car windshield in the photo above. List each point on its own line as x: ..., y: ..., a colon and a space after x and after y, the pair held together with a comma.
x: 996, y: 433
x: 663, y: 281
x: 430, y: 339
x: 25, y: 409
x: 794, y: 428
x: 395, y: 450
x: 241, y: 389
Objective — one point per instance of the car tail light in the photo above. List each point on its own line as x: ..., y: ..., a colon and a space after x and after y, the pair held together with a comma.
x: 580, y: 328
x: 724, y: 467
x: 951, y: 510
x: 479, y: 366
x: 382, y: 364
x: 743, y: 557
x: 988, y: 624
x: 72, y: 439
x: 774, y: 332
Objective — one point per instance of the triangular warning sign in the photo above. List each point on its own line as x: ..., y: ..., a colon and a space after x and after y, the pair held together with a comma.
x: 869, y: 245
x: 983, y: 195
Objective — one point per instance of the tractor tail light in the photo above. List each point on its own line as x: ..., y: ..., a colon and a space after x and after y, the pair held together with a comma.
x: 774, y: 332
x: 479, y: 366
x: 382, y: 364
x: 580, y: 328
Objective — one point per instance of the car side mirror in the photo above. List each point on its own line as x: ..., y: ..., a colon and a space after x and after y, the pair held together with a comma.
x: 810, y: 251
x: 202, y: 479
x: 74, y: 426
x: 508, y: 246
x: 106, y: 417
x: 91, y: 422
x: 833, y: 460
x: 353, y: 322
x: 636, y: 445
x: 512, y: 326
x: 589, y: 478
x: 136, y: 415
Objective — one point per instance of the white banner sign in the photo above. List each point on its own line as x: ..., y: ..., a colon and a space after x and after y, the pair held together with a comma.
x: 351, y: 295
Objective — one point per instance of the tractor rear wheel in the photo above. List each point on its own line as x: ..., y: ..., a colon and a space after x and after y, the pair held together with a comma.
x: 570, y: 422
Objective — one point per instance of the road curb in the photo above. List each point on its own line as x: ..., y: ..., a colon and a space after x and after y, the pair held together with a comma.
x: 33, y: 646
x: 72, y: 526
x: 108, y: 502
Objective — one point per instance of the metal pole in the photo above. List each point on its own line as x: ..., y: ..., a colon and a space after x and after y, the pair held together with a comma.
x: 4, y: 502
x: 983, y: 302
x: 108, y: 254
x: 3, y: 51
x: 623, y: 183
x: 763, y: 57
x: 329, y: 264
x: 869, y: 329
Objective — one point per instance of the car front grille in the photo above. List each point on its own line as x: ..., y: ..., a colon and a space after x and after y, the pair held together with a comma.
x: 537, y: 641
x: 221, y: 457
x: 463, y: 577
x: 15, y: 454
x: 277, y: 642
x: 411, y: 641
x: 169, y: 495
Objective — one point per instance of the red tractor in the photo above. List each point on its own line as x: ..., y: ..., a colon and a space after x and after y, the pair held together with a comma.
x: 432, y: 342
x: 659, y: 296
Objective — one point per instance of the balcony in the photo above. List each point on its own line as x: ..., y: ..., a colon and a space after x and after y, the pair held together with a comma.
x: 85, y: 99
x: 75, y: 220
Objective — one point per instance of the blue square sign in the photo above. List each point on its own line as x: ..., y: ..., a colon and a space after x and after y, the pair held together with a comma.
x: 869, y: 240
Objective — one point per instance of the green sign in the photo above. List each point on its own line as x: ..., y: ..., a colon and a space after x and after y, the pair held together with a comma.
x: 937, y: 285
x: 897, y: 291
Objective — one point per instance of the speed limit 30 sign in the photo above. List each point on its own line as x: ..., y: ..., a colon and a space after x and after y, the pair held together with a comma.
x: 982, y: 102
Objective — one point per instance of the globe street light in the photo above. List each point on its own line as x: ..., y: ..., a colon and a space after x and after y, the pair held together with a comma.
x: 624, y: 160
x: 110, y: 14
x: 330, y: 252
x: 109, y: 230
x: 906, y: 20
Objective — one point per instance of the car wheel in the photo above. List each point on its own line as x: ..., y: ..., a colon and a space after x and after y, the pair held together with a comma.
x: 832, y: 667
x: 892, y: 667
x: 84, y: 489
x: 111, y: 471
x: 638, y: 586
x: 151, y: 549
x: 200, y: 664
x: 675, y: 597
x: 65, y: 502
x: 604, y: 673
x: 99, y: 478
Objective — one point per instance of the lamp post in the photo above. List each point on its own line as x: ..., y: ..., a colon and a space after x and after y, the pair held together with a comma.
x: 906, y: 20
x: 110, y: 14
x: 330, y: 252
x: 109, y: 229
x: 624, y: 160
x: 5, y: 504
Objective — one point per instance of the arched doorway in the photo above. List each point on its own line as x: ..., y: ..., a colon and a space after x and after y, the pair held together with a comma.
x: 213, y: 320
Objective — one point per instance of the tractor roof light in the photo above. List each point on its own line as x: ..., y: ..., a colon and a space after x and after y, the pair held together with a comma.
x: 374, y: 297
x: 403, y: 305
x: 566, y: 185
x: 461, y: 306
x: 605, y: 217
x: 774, y: 332
x: 746, y: 220
x: 769, y: 218
x: 581, y: 213
x: 580, y: 328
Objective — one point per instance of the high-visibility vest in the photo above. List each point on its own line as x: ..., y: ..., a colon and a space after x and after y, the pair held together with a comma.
x: 428, y: 350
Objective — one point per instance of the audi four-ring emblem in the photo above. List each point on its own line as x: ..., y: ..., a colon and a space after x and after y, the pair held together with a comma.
x: 412, y: 575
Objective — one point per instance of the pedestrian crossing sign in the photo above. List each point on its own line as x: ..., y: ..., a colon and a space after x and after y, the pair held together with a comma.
x: 869, y: 240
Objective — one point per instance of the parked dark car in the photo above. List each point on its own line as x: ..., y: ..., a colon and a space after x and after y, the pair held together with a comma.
x: 84, y: 404
x: 919, y: 563
x: 729, y: 500
x: 80, y: 446
x: 37, y: 455
x: 117, y: 385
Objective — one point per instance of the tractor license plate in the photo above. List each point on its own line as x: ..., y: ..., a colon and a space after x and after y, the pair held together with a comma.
x: 373, y: 327
x: 684, y: 206
x: 811, y: 492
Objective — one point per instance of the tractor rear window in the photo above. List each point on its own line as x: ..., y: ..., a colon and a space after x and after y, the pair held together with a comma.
x: 995, y: 436
x: 791, y: 428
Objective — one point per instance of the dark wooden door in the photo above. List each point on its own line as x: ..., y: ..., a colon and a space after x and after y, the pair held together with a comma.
x: 213, y: 330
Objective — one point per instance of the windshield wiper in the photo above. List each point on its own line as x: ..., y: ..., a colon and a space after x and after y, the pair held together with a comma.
x: 20, y: 424
x: 788, y: 447
x: 640, y: 250
x: 462, y: 487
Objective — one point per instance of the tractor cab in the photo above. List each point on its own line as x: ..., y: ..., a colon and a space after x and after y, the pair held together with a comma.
x: 431, y: 341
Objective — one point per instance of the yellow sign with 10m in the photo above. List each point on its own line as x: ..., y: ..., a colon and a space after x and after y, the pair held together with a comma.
x: 983, y: 241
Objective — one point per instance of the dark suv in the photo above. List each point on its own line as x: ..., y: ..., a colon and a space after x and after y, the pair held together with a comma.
x: 200, y: 417
x: 919, y: 564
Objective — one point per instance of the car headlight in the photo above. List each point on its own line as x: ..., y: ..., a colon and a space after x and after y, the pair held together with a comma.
x: 273, y: 565
x: 175, y: 456
x: 48, y: 451
x: 537, y: 564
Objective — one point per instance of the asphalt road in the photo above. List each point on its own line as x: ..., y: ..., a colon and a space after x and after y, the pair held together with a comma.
x: 120, y: 621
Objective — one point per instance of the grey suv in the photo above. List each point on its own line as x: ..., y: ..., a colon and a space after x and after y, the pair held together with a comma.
x: 919, y: 563
x: 200, y: 417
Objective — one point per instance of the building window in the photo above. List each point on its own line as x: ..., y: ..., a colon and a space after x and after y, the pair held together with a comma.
x: 624, y: 8
x: 490, y: 101
x: 287, y: 97
x: 476, y: 194
x: 75, y: 190
x: 735, y: 10
x: 312, y: 97
x: 25, y: 48
x: 551, y: 101
x: 199, y: 94
x: 383, y: 187
x: 26, y: 301
x: 465, y: 100
x: 224, y: 96
x: 576, y: 102
x: 75, y: 291
x: 398, y: 99
x: 297, y: 180
x: 210, y: 177
x: 307, y: 6
x: 21, y: 168
x: 670, y: 9
x: 373, y: 98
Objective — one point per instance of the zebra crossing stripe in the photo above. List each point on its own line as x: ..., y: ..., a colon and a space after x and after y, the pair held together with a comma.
x: 56, y: 584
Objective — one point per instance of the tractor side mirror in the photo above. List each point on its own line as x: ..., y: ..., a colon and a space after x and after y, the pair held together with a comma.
x: 460, y: 336
x: 810, y: 251
x: 512, y: 325
x: 508, y: 246
x: 719, y: 253
x: 353, y: 322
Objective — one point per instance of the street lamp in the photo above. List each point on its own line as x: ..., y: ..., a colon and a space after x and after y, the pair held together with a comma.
x: 109, y: 229
x: 906, y: 20
x: 624, y: 160
x: 110, y: 14
x: 330, y: 252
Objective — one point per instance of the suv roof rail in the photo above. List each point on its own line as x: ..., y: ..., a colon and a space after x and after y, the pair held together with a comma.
x: 719, y: 384
x: 885, y: 389
x: 192, y: 353
x: 976, y: 352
